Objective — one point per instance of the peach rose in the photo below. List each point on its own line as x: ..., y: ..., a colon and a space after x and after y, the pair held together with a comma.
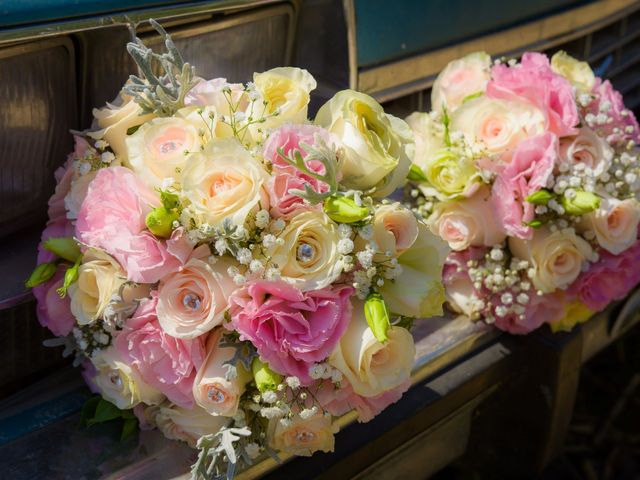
x: 303, y: 437
x: 615, y: 224
x: 211, y: 389
x: 588, y: 149
x: 395, y: 229
x: 192, y: 301
x: 467, y: 222
x: 556, y: 257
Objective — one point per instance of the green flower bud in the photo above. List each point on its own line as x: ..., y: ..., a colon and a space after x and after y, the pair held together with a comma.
x: 377, y: 315
x: 160, y: 222
x: 41, y: 274
x: 583, y: 202
x: 541, y: 197
x: 265, y: 378
x: 70, y: 277
x: 416, y: 174
x: 344, y: 210
x: 64, y: 247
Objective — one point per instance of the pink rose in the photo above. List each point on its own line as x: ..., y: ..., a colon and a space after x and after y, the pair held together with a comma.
x: 609, y: 101
x: 291, y: 329
x: 166, y: 363
x: 530, y: 168
x: 609, y: 279
x: 534, y: 81
x: 339, y: 401
x: 112, y: 217
x: 54, y: 312
x: 540, y: 309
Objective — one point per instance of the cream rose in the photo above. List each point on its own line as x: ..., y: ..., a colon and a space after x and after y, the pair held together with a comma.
x: 450, y: 174
x: 79, y: 187
x: 578, y: 73
x: 556, y: 257
x: 461, y: 296
x: 115, y: 120
x: 211, y: 388
x: 498, y: 126
x: 372, y: 367
x: 286, y: 91
x: 119, y: 383
x: 467, y: 222
x: 418, y: 291
x: 377, y: 147
x: 460, y: 79
x: 395, y: 229
x: 192, y: 301
x: 302, y: 437
x: 588, y: 149
x: 615, y: 224
x: 428, y: 138
x: 157, y: 149
x: 187, y: 425
x: 224, y: 182
x: 309, y: 257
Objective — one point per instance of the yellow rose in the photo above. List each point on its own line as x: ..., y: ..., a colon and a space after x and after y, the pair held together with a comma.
x: 187, y: 425
x: 427, y: 136
x: 395, y: 229
x: 498, y: 126
x: 286, y: 90
x: 224, y: 182
x: 450, y: 174
x: 157, y: 149
x: 372, y: 367
x: 119, y: 383
x: 467, y: 222
x: 418, y: 291
x: 615, y: 224
x: 211, y: 389
x: 115, y: 120
x: 460, y: 79
x: 309, y: 257
x: 302, y: 437
x: 574, y: 313
x: 377, y: 147
x: 578, y: 73
x: 556, y: 257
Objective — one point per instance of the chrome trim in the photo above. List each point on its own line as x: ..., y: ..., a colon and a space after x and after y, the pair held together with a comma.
x: 31, y: 32
x: 352, y: 47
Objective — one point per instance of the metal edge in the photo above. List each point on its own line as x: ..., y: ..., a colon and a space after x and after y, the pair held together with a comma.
x: 352, y: 47
x: 403, y: 77
x: 31, y: 32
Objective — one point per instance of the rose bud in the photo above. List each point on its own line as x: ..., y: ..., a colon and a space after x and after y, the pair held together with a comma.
x: 160, y: 221
x: 64, y: 247
x: 265, y: 378
x: 344, y: 210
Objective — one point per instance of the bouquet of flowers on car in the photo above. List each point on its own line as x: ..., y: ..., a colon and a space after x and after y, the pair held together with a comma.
x: 231, y: 271
x: 529, y: 171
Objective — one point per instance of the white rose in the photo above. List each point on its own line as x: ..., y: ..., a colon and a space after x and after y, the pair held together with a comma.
x: 377, y: 147
x: 460, y: 79
x: 395, y: 229
x: 309, y: 257
x: 211, y: 388
x: 372, y: 367
x: 556, y: 257
x: 119, y: 383
x: 187, y: 425
x: 588, y: 149
x: 157, y: 149
x: 498, y: 126
x: 302, y: 437
x: 615, y: 224
x: 467, y: 222
x: 224, y: 182
x: 428, y: 138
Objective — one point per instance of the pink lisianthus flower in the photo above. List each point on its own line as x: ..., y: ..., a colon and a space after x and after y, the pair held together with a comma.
x: 540, y: 309
x: 610, y: 278
x: 461, y: 294
x: 530, y: 168
x: 339, y: 401
x: 283, y: 202
x: 112, y: 217
x: 291, y: 329
x: 54, y: 312
x: 534, y: 81
x: 166, y: 363
x: 609, y: 101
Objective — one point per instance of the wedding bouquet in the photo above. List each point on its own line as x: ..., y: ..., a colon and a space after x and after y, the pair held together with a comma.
x: 231, y: 271
x: 529, y: 171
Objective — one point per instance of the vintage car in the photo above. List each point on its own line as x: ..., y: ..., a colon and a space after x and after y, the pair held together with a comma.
x: 59, y: 58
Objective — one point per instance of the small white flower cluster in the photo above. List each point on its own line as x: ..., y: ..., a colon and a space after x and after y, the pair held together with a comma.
x: 92, y: 160
x: 622, y: 180
x: 90, y: 339
x: 324, y: 371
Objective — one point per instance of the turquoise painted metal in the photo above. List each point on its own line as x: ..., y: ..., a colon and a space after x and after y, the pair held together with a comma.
x: 389, y: 30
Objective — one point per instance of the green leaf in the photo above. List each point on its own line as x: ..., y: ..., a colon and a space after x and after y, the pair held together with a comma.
x: 64, y: 247
x: 129, y: 428
x: 541, y: 197
x: 89, y: 409
x: 416, y: 174
x: 471, y: 97
x: 534, y: 223
x: 42, y: 273
x: 105, y: 411
x: 169, y: 200
x: 445, y: 122
x: 377, y: 315
x: 132, y: 130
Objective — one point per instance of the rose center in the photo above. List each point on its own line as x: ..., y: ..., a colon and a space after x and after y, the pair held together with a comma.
x: 192, y: 301
x: 216, y: 394
x: 305, y: 253
x: 115, y: 379
x: 305, y: 436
